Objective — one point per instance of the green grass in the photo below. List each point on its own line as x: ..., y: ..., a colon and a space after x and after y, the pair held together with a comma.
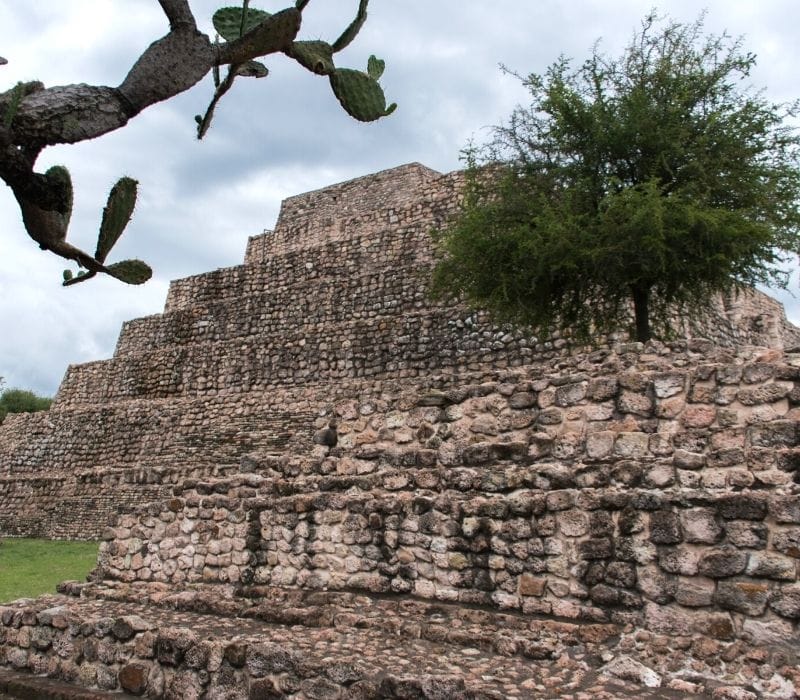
x: 31, y: 567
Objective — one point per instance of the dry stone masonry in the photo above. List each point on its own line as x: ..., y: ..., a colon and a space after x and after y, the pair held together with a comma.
x: 501, y: 515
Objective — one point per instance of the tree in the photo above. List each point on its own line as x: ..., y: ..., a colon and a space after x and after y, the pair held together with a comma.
x: 33, y: 117
x: 21, y: 401
x: 653, y: 180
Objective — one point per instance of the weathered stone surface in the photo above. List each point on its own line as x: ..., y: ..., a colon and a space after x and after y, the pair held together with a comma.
x: 744, y: 596
x: 722, y: 562
x: 133, y: 678
x: 743, y: 507
x: 700, y: 525
x: 786, y: 601
x: 665, y: 527
x: 629, y: 669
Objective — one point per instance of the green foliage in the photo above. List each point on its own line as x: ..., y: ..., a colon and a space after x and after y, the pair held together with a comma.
x: 116, y: 215
x: 21, y: 401
x: 131, y: 271
x: 360, y: 94
x: 233, y: 22
x: 17, y: 93
x: 654, y: 179
x: 316, y: 56
x: 29, y: 568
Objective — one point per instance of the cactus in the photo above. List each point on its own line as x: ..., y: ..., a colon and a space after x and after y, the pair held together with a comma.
x: 375, y: 67
x: 233, y: 22
x: 116, y: 215
x: 130, y: 271
x: 59, y: 176
x: 252, y: 69
x: 316, y: 56
x: 360, y: 94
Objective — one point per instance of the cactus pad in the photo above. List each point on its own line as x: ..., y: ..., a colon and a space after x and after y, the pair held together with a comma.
x: 228, y: 21
x: 116, y: 215
x: 316, y: 56
x: 375, y: 67
x: 131, y: 271
x: 251, y: 69
x: 59, y: 176
x: 360, y: 95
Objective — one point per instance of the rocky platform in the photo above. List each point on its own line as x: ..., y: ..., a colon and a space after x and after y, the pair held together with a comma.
x: 214, y: 642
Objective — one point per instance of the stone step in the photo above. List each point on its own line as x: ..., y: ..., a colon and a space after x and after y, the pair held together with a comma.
x: 186, y: 645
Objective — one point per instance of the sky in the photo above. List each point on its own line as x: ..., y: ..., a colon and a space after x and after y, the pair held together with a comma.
x: 285, y: 134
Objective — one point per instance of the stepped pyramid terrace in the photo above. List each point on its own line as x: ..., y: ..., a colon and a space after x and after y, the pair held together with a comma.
x: 500, y: 515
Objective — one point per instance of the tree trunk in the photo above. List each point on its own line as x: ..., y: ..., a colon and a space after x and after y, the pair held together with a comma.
x: 641, y: 312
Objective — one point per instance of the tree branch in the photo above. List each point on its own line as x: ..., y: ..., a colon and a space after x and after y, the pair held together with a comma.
x: 178, y: 13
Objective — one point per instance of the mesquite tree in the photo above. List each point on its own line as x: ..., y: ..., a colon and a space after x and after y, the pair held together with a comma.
x: 652, y: 181
x: 33, y: 116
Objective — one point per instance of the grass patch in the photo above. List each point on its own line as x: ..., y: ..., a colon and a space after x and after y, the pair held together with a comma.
x: 31, y: 567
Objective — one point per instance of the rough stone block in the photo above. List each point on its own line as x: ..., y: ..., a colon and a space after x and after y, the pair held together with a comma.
x: 785, y: 509
x: 722, y: 562
x: 748, y: 506
x: 665, y: 527
x: 700, y: 526
x: 745, y: 596
x: 786, y: 601
x: 694, y: 591
x: 772, y: 566
x: 787, y: 541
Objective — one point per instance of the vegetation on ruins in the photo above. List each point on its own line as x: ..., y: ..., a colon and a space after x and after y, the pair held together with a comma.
x: 21, y: 401
x: 655, y: 179
x: 33, y: 117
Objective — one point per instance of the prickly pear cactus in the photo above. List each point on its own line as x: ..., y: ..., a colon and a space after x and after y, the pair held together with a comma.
x: 116, y: 215
x: 131, y: 271
x: 316, y: 56
x: 60, y: 176
x: 230, y: 24
x: 360, y: 93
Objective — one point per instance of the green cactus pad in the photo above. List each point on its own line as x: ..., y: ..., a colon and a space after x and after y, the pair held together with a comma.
x: 131, y: 271
x: 375, y: 67
x: 60, y: 177
x: 116, y: 215
x: 316, y: 56
x: 360, y: 95
x: 228, y: 21
x: 251, y: 69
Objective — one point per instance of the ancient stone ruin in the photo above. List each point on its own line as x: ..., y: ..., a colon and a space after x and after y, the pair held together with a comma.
x: 500, y: 515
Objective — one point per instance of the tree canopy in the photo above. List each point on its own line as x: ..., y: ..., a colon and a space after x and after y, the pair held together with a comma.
x: 653, y: 181
x: 21, y: 401
x: 33, y: 116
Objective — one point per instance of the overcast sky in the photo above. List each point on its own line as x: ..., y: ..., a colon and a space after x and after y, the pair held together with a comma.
x: 283, y: 135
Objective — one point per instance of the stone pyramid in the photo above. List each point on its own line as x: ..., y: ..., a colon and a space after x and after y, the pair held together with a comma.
x: 501, y: 516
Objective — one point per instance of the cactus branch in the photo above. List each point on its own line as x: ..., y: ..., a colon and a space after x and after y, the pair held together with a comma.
x: 274, y: 34
x: 33, y: 117
x: 353, y: 28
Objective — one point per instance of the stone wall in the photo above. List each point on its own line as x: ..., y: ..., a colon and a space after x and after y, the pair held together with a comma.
x: 633, y: 486
x: 331, y: 305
